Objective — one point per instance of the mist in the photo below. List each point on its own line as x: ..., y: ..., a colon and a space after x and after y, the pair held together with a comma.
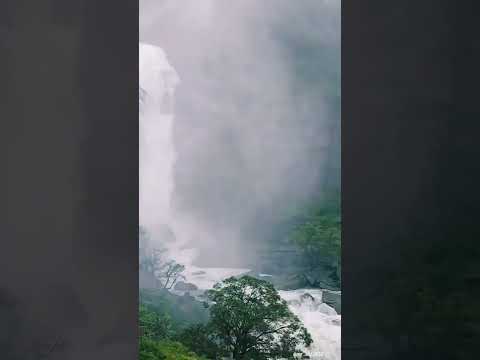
x: 257, y: 114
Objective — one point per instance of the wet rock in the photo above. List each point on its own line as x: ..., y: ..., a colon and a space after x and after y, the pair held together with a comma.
x: 184, y: 286
x: 337, y: 322
x: 326, y: 309
x: 307, y: 297
x: 333, y: 299
x: 200, y: 272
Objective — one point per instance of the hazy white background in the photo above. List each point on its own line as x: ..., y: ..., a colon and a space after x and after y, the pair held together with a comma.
x: 255, y: 111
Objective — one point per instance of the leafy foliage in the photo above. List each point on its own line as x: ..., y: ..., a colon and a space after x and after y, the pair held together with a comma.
x: 319, y: 237
x: 200, y: 339
x: 183, y: 311
x: 153, y: 325
x: 169, y: 273
x: 150, y: 350
x: 173, y: 350
x: 165, y: 350
x: 157, y: 332
x: 251, y: 320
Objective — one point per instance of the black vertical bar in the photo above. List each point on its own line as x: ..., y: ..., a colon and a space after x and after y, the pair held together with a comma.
x: 409, y: 175
x: 69, y: 283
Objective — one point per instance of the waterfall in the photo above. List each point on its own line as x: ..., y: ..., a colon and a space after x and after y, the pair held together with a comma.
x: 158, y: 80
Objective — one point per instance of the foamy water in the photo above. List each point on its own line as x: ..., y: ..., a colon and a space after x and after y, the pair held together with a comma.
x: 321, y: 320
x: 205, y: 278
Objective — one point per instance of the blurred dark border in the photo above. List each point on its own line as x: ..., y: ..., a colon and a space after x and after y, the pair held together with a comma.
x: 410, y: 175
x: 69, y: 126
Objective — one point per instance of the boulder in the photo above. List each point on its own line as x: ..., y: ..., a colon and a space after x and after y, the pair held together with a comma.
x: 199, y: 272
x: 184, y: 286
x: 326, y: 309
x: 333, y: 299
x: 288, y: 282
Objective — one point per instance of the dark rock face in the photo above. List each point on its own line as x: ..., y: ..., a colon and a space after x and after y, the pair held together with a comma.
x: 184, y: 286
x: 334, y: 299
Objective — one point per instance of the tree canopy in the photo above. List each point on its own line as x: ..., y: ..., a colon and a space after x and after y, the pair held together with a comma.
x: 153, y: 325
x: 251, y: 321
x: 319, y: 237
x: 156, y: 338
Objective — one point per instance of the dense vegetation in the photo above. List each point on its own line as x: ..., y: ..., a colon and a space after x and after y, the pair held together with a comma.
x: 165, y: 350
x: 248, y: 319
x: 305, y: 248
x: 182, y: 311
x: 243, y: 317
x: 319, y: 237
x: 157, y: 342
x: 251, y: 320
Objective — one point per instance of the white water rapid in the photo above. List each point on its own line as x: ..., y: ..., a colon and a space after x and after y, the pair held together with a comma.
x: 158, y: 80
x: 321, y: 320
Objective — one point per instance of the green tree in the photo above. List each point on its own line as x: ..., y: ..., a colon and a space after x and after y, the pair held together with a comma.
x: 319, y: 237
x: 251, y: 321
x: 169, y: 273
x: 156, y: 338
x: 153, y: 325
x: 172, y: 350
x: 200, y: 339
x: 165, y: 350
x: 182, y: 310
x: 150, y: 350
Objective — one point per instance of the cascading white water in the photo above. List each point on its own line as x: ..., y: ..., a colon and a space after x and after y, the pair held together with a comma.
x: 158, y: 80
x: 321, y: 320
x: 156, y: 154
